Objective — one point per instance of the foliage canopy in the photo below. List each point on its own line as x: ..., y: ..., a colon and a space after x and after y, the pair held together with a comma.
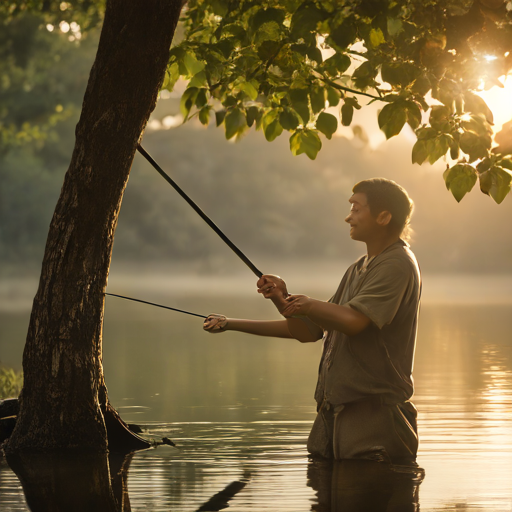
x: 301, y: 66
x: 42, y: 67
x: 287, y: 65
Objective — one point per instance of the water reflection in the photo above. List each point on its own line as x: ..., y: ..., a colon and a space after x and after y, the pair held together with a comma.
x: 65, y: 482
x: 238, y: 404
x: 364, y: 486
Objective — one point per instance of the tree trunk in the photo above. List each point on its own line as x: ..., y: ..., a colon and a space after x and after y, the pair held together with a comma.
x: 64, y: 391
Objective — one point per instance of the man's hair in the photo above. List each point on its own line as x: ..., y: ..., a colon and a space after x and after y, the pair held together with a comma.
x: 386, y: 195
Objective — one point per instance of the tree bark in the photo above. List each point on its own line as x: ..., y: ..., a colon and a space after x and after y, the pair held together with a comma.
x: 64, y: 391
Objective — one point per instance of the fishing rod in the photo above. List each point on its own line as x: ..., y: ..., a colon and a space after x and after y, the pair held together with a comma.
x: 200, y: 212
x: 154, y: 304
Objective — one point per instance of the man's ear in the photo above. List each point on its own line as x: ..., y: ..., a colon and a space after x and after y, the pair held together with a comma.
x: 384, y: 218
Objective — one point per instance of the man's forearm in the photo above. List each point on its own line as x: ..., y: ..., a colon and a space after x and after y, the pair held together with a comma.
x: 304, y: 330
x: 273, y: 328
x: 339, y: 318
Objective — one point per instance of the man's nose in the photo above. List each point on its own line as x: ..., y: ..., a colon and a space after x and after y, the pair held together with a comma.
x: 348, y: 218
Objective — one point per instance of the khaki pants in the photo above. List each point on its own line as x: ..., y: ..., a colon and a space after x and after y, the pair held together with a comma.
x: 366, y: 429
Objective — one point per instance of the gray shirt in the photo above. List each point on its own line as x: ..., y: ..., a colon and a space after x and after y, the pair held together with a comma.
x: 378, y: 360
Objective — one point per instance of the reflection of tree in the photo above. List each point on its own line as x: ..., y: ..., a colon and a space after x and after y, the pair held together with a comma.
x: 364, y: 486
x: 78, y: 482
x: 85, y: 482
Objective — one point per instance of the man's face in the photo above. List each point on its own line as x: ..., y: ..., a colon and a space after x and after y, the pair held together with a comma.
x: 363, y: 226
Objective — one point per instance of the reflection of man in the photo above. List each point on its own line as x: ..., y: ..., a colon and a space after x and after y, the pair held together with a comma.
x: 369, y: 332
x: 363, y: 486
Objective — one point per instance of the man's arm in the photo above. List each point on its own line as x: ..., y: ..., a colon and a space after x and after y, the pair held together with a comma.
x: 326, y: 314
x: 274, y: 288
x: 273, y: 328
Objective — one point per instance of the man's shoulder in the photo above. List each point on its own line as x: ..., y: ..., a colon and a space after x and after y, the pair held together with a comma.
x: 398, y: 258
x: 400, y: 252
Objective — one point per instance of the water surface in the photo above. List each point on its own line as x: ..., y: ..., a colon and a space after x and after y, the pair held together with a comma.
x: 240, y: 408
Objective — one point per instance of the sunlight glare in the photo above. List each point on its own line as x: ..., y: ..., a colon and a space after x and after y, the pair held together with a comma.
x: 499, y: 100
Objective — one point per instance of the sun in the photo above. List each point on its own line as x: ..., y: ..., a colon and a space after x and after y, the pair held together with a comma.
x: 499, y: 100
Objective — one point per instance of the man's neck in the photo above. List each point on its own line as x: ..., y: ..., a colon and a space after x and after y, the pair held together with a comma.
x: 378, y: 245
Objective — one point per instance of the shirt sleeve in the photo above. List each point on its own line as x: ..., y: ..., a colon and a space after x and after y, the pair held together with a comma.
x: 382, y: 291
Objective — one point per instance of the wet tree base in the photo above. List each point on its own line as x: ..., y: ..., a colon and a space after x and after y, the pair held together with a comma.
x: 121, y: 439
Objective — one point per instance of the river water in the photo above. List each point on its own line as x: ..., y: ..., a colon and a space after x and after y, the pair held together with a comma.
x: 239, y: 408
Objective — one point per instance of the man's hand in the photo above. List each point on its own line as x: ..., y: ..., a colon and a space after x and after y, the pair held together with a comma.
x: 272, y: 287
x: 297, y: 305
x: 215, y: 323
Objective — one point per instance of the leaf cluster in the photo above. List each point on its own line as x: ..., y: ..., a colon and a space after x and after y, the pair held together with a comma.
x: 304, y: 66
x: 42, y: 79
x: 11, y: 383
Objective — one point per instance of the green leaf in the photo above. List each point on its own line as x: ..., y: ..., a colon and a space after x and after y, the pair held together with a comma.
x: 474, y: 145
x: 315, y: 54
x: 460, y: 179
x: 204, y: 115
x: 376, y: 37
x: 219, y: 117
x: 440, y: 117
x: 269, y: 31
x: 201, y: 99
x: 476, y: 105
x: 395, y: 26
x: 337, y: 64
x: 250, y: 90
x: 252, y: 114
x: 392, y: 119
x: 305, y: 20
x: 219, y: 7
x: 265, y: 16
x: 172, y: 76
x: 413, y: 114
x: 299, y: 102
x: 496, y: 182
x: 198, y: 80
x: 478, y: 124
x: 271, y: 127
x: 193, y: 65
x: 399, y: 74
x: 454, y: 149
x: 333, y: 96
x: 327, y: 124
x: 235, y: 123
x: 447, y: 93
x: 419, y: 152
x: 364, y: 75
x: 305, y: 141
x: 317, y: 95
x: 188, y: 100
x: 288, y: 119
x: 268, y: 50
x: 350, y: 100
x: 438, y: 147
x: 347, y: 113
x: 506, y: 163
x: 422, y: 85
x: 343, y: 36
x: 426, y: 133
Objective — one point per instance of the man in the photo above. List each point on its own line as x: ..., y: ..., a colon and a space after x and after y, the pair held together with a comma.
x: 369, y: 331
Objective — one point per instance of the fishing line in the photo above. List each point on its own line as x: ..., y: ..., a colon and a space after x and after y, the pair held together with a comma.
x: 154, y: 304
x: 200, y: 212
